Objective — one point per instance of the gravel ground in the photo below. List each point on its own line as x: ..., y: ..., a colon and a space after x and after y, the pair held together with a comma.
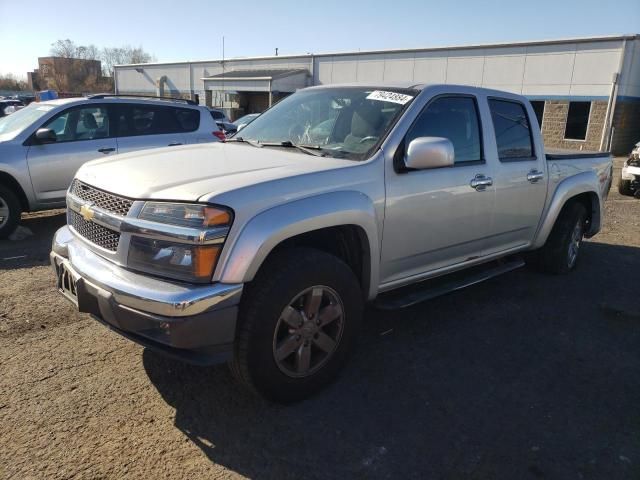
x: 524, y: 376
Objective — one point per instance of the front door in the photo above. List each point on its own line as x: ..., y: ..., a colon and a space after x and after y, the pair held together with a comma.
x: 82, y: 134
x: 434, y: 218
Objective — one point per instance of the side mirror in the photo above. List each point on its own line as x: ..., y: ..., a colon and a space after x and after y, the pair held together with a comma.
x: 46, y: 135
x: 429, y: 152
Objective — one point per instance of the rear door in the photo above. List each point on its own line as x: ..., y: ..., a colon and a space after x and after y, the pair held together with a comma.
x: 83, y: 133
x: 142, y: 126
x: 520, y: 179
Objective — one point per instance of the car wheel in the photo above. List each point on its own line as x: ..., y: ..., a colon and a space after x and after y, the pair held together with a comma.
x: 559, y: 255
x: 298, y: 320
x: 10, y: 211
x: 624, y: 187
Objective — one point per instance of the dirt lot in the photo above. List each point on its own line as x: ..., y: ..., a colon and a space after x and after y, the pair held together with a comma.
x: 524, y: 376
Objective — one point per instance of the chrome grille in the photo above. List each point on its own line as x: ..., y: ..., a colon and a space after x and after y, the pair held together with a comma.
x: 101, y: 236
x: 107, y: 201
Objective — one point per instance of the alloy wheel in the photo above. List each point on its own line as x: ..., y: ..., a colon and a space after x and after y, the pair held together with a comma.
x: 308, y: 331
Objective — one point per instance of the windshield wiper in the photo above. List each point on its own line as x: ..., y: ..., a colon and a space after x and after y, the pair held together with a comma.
x: 253, y: 143
x: 315, y: 150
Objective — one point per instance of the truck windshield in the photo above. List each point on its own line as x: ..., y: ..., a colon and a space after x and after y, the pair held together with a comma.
x: 13, y: 124
x: 346, y: 122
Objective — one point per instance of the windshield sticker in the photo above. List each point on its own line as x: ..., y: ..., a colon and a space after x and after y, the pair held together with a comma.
x: 394, y: 97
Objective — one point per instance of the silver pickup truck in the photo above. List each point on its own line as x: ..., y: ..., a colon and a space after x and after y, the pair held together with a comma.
x: 263, y: 250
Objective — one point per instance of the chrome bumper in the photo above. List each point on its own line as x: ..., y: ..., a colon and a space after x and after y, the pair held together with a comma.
x: 193, y: 322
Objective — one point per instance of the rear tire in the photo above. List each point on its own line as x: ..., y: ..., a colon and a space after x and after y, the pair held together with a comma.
x: 10, y: 210
x: 559, y: 255
x: 277, y: 316
x: 624, y: 187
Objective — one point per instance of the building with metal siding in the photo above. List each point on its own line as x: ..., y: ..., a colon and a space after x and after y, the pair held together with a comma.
x: 590, y: 86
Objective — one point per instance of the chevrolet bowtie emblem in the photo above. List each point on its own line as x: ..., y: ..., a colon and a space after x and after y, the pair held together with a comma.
x: 86, y: 212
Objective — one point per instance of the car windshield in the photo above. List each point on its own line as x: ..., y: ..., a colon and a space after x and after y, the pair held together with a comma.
x: 15, y: 123
x: 346, y: 122
x: 245, y: 120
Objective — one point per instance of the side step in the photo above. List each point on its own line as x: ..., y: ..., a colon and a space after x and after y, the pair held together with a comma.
x: 428, y: 289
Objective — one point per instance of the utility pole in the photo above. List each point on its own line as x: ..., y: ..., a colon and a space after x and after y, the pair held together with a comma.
x: 222, y: 72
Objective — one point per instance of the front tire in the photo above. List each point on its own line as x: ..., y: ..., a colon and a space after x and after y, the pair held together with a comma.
x: 10, y: 211
x: 298, y: 320
x: 624, y: 187
x: 559, y: 255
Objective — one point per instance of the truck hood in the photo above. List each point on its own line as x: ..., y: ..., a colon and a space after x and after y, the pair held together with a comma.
x: 189, y: 172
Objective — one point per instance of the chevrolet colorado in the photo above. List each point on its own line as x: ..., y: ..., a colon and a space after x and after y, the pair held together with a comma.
x: 263, y: 250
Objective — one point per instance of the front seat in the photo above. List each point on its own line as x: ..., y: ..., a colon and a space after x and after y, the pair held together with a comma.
x: 366, y: 125
x: 90, y: 124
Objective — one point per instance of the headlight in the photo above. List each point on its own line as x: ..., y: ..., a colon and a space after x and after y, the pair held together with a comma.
x: 185, y: 215
x: 192, y: 263
x: 206, y: 225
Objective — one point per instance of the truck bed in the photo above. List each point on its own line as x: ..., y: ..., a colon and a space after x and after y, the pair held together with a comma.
x: 560, y: 154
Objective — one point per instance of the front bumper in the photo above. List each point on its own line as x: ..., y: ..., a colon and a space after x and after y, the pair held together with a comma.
x: 195, y: 323
x: 630, y: 172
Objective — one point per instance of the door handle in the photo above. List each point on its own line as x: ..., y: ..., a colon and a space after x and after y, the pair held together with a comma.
x: 534, y: 175
x: 174, y: 144
x: 481, y: 182
x: 106, y: 150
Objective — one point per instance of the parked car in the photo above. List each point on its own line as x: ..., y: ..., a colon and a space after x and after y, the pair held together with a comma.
x: 629, y: 183
x: 42, y: 145
x: 222, y: 121
x: 25, y: 98
x: 9, y: 106
x: 245, y: 120
x: 262, y: 250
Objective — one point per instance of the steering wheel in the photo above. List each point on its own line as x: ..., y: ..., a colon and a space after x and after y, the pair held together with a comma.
x: 366, y: 139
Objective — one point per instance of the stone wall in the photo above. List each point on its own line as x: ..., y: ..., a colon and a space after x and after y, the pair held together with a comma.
x: 555, y: 120
x: 626, y: 122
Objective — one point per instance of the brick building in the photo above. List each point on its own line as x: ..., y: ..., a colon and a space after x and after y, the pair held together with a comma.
x: 585, y: 91
x: 66, y: 75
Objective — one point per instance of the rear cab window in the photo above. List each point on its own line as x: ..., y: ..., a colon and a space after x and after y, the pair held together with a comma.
x: 512, y: 130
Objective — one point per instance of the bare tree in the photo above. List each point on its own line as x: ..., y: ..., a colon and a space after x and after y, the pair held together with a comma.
x: 12, y: 83
x: 121, y: 55
x: 63, y: 48
x: 79, y: 76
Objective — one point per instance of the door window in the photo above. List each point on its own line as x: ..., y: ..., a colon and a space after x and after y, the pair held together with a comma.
x: 512, y: 130
x: 76, y: 124
x: 137, y: 120
x: 455, y: 118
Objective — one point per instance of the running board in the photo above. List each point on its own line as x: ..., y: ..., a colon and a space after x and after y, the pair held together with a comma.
x: 428, y: 289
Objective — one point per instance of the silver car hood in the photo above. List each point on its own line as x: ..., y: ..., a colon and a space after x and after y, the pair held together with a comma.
x: 190, y: 172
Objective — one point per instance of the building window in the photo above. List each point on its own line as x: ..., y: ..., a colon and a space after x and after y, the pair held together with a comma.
x: 538, y: 109
x: 577, y: 121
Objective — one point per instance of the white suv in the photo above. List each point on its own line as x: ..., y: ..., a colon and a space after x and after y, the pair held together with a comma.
x: 43, y: 145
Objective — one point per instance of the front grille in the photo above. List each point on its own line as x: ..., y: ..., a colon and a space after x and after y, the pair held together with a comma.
x: 107, y: 201
x: 101, y: 236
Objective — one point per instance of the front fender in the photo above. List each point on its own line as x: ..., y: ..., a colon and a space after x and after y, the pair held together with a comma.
x: 585, y: 182
x: 265, y: 231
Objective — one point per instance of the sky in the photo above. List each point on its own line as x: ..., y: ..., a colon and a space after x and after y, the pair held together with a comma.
x: 193, y: 29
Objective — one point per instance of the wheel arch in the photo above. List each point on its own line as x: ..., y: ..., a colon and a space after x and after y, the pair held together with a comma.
x: 582, y: 188
x: 9, y: 181
x: 341, y: 223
